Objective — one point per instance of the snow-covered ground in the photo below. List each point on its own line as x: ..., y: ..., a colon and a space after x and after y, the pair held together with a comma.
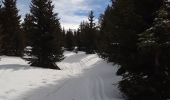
x: 83, y: 77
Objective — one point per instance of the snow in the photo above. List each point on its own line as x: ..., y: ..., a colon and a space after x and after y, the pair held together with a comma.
x: 83, y: 77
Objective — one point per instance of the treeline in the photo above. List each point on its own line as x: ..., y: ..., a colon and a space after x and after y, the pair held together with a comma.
x: 84, y: 38
x: 40, y: 33
x: 11, y: 37
x: 40, y: 38
x: 135, y: 34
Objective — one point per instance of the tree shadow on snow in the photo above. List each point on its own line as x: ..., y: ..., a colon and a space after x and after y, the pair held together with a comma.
x: 64, y: 89
x: 14, y: 67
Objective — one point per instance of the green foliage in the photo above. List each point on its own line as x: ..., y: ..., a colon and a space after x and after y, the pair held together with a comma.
x: 28, y: 29
x: 143, y: 87
x: 154, y: 42
x: 137, y: 38
x: 69, y: 40
x: 62, y: 37
x: 45, y: 35
x: 119, y: 31
x: 1, y: 36
x: 12, y: 42
x: 86, y: 35
x: 90, y: 34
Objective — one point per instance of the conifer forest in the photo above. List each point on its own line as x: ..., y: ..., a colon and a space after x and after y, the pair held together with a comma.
x: 122, y: 54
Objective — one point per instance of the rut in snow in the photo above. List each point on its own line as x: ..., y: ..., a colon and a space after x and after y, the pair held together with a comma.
x: 83, y: 77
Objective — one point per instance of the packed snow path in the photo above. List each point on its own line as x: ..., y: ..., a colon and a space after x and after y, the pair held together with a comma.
x: 83, y: 77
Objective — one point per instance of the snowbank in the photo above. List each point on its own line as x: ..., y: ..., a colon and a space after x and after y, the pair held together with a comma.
x: 83, y: 77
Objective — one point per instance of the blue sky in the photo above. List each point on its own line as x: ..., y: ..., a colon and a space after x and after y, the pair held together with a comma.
x: 71, y: 12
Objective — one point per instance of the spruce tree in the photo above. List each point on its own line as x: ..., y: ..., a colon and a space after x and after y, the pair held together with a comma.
x: 119, y: 31
x: 122, y: 22
x: 91, y: 34
x: 46, y: 46
x: 28, y: 29
x: 105, y: 38
x: 154, y: 46
x: 82, y: 36
x: 63, y: 34
x: 86, y: 35
x: 91, y: 20
x: 78, y: 40
x: 1, y: 36
x: 69, y: 40
x: 1, y: 16
x: 120, y: 26
x: 13, y: 38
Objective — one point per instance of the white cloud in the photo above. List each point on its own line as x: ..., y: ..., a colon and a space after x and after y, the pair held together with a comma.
x: 67, y: 10
x: 71, y: 12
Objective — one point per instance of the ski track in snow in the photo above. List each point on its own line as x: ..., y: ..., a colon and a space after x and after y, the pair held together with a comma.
x: 83, y: 77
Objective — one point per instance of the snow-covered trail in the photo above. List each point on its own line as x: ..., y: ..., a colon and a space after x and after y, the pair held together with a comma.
x: 83, y: 77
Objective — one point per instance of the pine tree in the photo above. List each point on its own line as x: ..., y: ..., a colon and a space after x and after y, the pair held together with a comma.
x: 86, y: 35
x: 106, y: 38
x: 69, y: 40
x: 82, y: 36
x: 91, y: 34
x: 91, y: 20
x: 63, y: 34
x: 1, y: 15
x: 1, y: 36
x: 122, y: 22
x: 13, y: 38
x: 78, y: 40
x: 46, y: 47
x: 119, y: 33
x: 28, y: 29
x: 154, y: 47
